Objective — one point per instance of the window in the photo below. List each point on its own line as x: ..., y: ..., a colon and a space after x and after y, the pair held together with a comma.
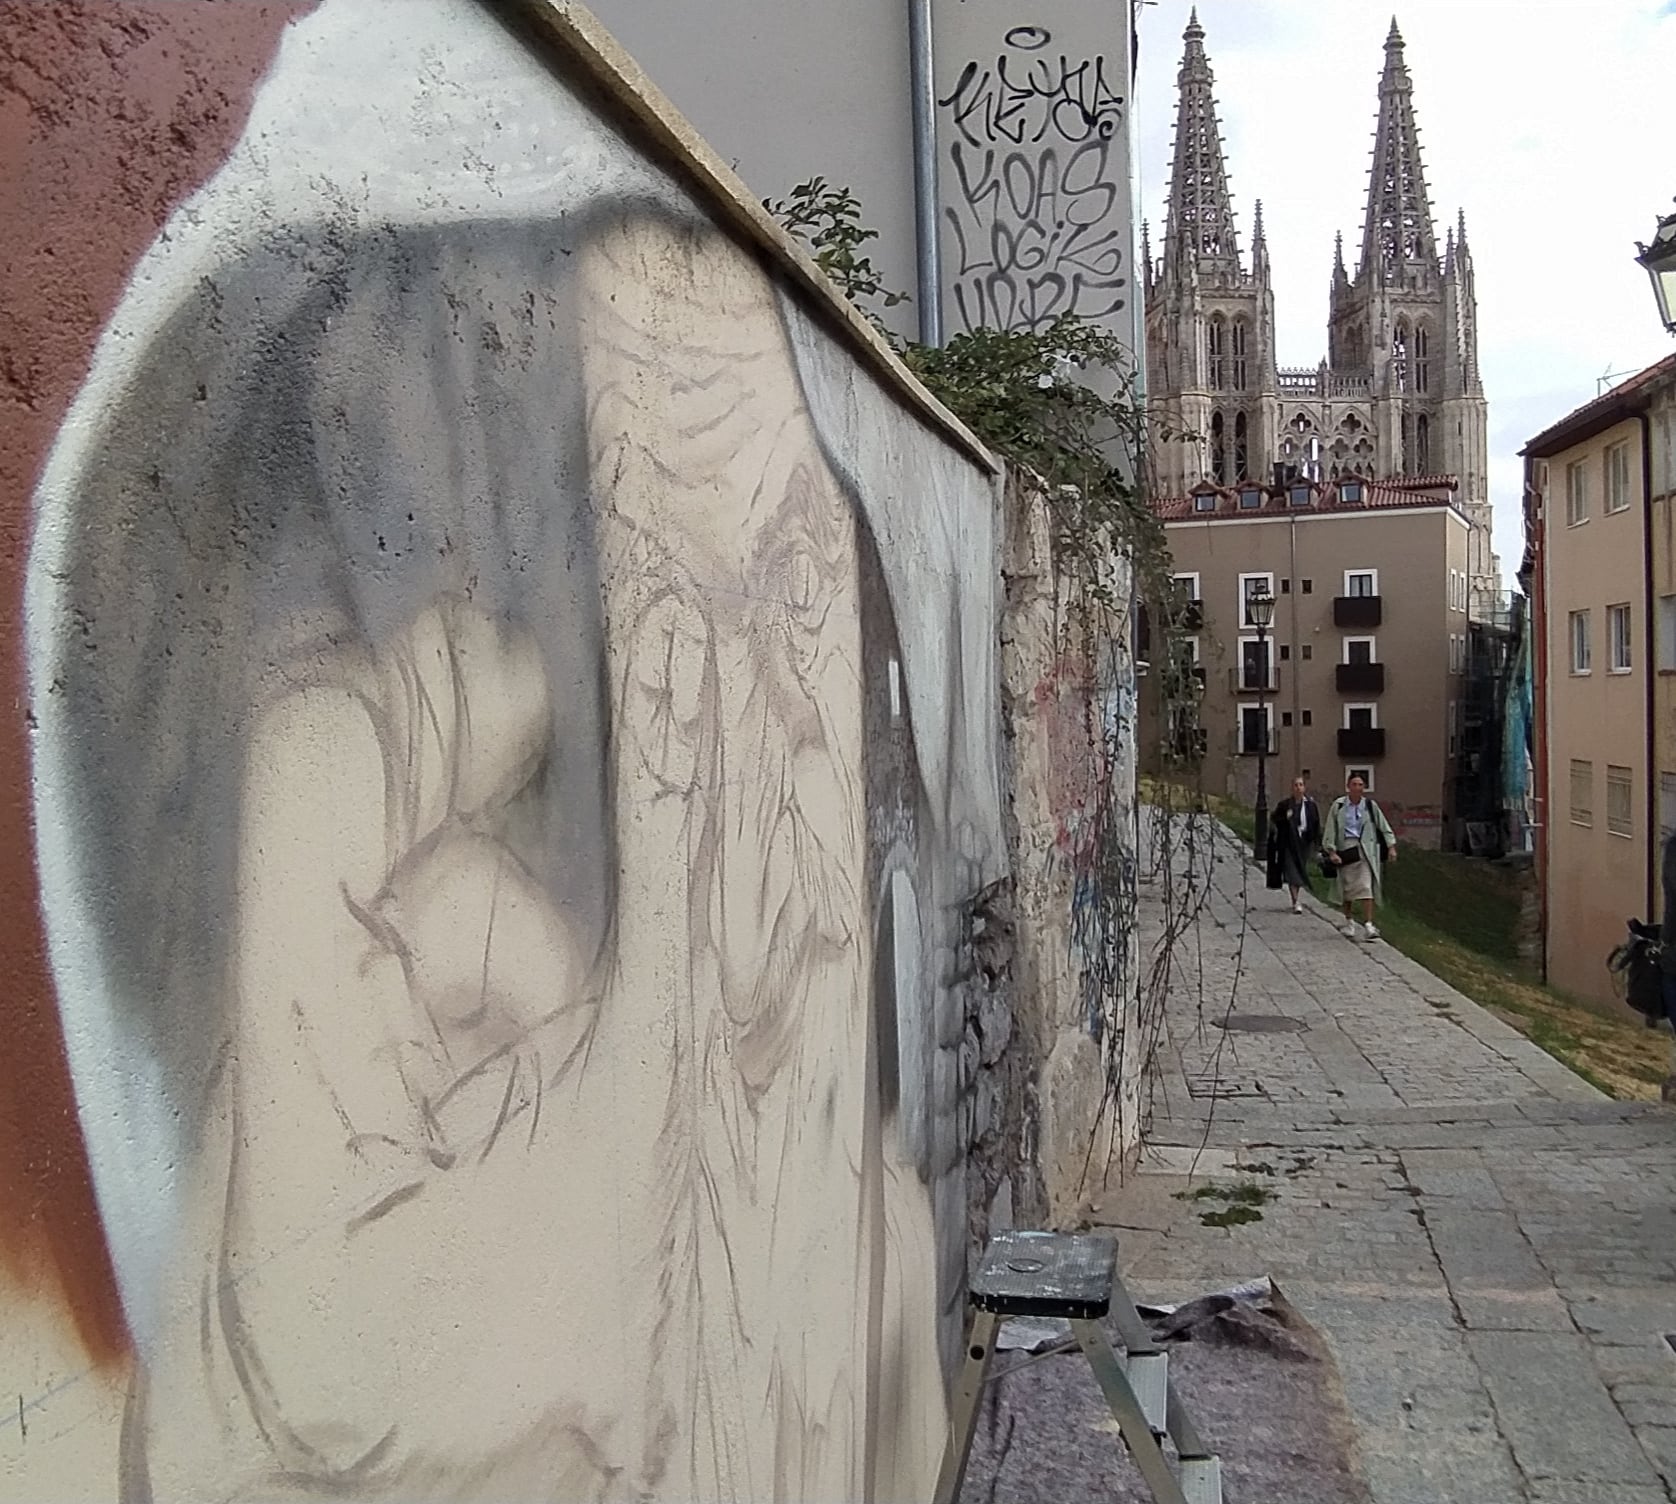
x: 1667, y: 633
x: 1454, y: 590
x: 1309, y: 651
x: 1453, y: 728
x: 1350, y: 493
x: 1365, y: 774
x: 1256, y: 663
x: 1216, y: 347
x: 1620, y: 801
x: 1576, y: 494
x: 1308, y: 587
x: 1285, y: 587
x: 1422, y: 445
x: 1285, y: 652
x: 895, y: 690
x: 1359, y: 650
x: 1667, y: 806
x: 1616, y: 467
x: 1251, y: 498
x: 1582, y: 792
x: 1204, y: 501
x: 1286, y: 718
x: 1239, y: 332
x: 1218, y: 450
x: 1257, y: 729
x: 1250, y: 585
x: 1307, y: 717
x: 1187, y: 587
x: 1399, y: 355
x: 1456, y: 655
x: 1300, y: 495
x: 1361, y: 717
x: 1580, y: 650
x: 1422, y: 365
x: 1618, y: 640
x: 1242, y: 466
x: 1361, y: 582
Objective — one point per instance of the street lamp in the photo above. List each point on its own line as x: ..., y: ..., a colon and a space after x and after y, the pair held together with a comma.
x: 1259, y: 612
x: 1660, y: 260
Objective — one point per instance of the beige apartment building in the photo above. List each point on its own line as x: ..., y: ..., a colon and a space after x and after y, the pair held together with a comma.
x: 1598, y: 509
x: 1362, y: 669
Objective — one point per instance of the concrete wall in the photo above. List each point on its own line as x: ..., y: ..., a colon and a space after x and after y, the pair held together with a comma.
x: 1596, y: 878
x: 511, y: 701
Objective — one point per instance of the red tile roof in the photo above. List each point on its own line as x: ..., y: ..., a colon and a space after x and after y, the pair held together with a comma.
x: 1624, y: 400
x: 1377, y: 495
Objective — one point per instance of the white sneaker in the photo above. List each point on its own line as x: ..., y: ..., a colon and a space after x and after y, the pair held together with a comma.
x: 1371, y: 932
x: 1350, y: 930
x: 1297, y: 908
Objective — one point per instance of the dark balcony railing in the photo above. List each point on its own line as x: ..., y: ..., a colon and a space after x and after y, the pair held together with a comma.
x: 1251, y: 749
x: 1361, y: 741
x: 1248, y: 679
x: 1357, y: 611
x: 1361, y: 678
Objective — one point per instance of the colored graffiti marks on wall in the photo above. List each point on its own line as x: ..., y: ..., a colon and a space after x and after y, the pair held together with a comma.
x: 1034, y: 178
x: 499, y: 816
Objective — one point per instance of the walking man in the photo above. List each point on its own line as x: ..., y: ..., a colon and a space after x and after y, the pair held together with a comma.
x: 1359, y: 841
x: 1294, y: 833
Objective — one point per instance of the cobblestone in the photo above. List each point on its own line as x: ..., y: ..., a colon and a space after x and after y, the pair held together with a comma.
x: 1486, y: 1243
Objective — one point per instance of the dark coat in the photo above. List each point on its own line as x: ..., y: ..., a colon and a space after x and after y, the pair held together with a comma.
x: 1285, y: 836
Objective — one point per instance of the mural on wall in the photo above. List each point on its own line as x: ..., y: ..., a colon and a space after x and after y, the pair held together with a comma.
x: 515, y: 725
x: 1034, y: 175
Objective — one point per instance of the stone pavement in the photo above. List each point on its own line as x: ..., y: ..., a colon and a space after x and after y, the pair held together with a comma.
x: 1486, y: 1243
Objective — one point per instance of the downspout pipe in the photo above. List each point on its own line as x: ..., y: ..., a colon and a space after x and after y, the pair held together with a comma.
x: 927, y: 200
x: 1649, y: 615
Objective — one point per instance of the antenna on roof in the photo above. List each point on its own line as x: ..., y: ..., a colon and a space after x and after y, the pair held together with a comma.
x: 1609, y: 377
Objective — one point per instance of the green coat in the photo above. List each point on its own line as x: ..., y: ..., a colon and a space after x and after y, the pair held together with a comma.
x: 1333, y: 839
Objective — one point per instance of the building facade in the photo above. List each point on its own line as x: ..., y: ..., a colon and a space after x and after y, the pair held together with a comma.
x: 1398, y: 393
x: 1363, y: 669
x: 1602, y: 555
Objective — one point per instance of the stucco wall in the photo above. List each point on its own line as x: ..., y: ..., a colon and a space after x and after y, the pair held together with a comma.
x: 511, y: 712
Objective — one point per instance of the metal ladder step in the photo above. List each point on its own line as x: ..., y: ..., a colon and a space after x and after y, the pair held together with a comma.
x: 1073, y: 1276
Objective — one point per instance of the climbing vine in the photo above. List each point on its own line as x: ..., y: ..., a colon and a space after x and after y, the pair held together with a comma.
x: 1057, y: 403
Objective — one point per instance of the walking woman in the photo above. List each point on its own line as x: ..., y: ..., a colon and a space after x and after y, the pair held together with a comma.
x: 1359, y: 841
x: 1294, y: 833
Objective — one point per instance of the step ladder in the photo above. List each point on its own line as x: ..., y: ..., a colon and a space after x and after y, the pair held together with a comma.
x: 1073, y: 1276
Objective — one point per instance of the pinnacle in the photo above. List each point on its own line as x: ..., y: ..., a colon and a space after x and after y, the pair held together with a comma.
x: 1393, y: 39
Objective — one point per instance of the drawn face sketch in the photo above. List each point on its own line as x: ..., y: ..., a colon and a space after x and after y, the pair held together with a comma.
x: 542, y: 1150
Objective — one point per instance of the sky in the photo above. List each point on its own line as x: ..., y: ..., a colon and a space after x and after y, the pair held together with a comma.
x: 1548, y: 121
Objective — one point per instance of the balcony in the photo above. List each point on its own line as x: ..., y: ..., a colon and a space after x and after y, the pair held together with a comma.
x: 1361, y: 741
x: 1248, y: 679
x: 1244, y: 749
x: 1360, y: 678
x: 1357, y: 611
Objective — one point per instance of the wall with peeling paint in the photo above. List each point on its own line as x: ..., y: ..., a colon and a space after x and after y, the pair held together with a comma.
x: 512, y: 716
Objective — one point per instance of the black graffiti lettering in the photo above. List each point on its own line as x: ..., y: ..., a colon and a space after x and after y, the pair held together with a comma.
x: 1029, y: 38
x: 1023, y: 100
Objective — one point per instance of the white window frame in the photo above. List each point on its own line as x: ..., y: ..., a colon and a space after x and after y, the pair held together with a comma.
x: 1245, y: 709
x: 1372, y: 709
x: 1371, y: 641
x: 1623, y: 829
x: 1204, y: 503
x: 1274, y: 663
x: 1576, y: 493
x: 1582, y: 663
x: 1620, y: 610
x: 1364, y: 769
x: 1190, y: 574
x: 1666, y: 633
x: 1372, y: 574
x: 1454, y: 590
x: 1615, y: 477
x: 1586, y: 811
x: 1266, y: 575
x: 1667, y: 807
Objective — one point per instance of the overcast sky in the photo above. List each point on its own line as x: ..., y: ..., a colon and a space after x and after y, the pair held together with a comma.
x: 1552, y: 123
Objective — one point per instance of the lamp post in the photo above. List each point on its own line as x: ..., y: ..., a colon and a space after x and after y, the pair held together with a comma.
x: 1660, y: 260
x: 1259, y: 611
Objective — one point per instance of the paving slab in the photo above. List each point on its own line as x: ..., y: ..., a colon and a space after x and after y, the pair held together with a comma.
x: 1485, y: 1243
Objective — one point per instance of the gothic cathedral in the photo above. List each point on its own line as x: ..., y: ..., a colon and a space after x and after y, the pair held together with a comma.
x: 1399, y: 393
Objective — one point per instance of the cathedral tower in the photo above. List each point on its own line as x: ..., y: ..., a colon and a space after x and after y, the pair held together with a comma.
x: 1399, y: 392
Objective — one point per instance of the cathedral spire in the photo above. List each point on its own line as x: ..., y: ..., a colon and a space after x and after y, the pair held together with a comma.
x: 1397, y: 232
x: 1200, y: 225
